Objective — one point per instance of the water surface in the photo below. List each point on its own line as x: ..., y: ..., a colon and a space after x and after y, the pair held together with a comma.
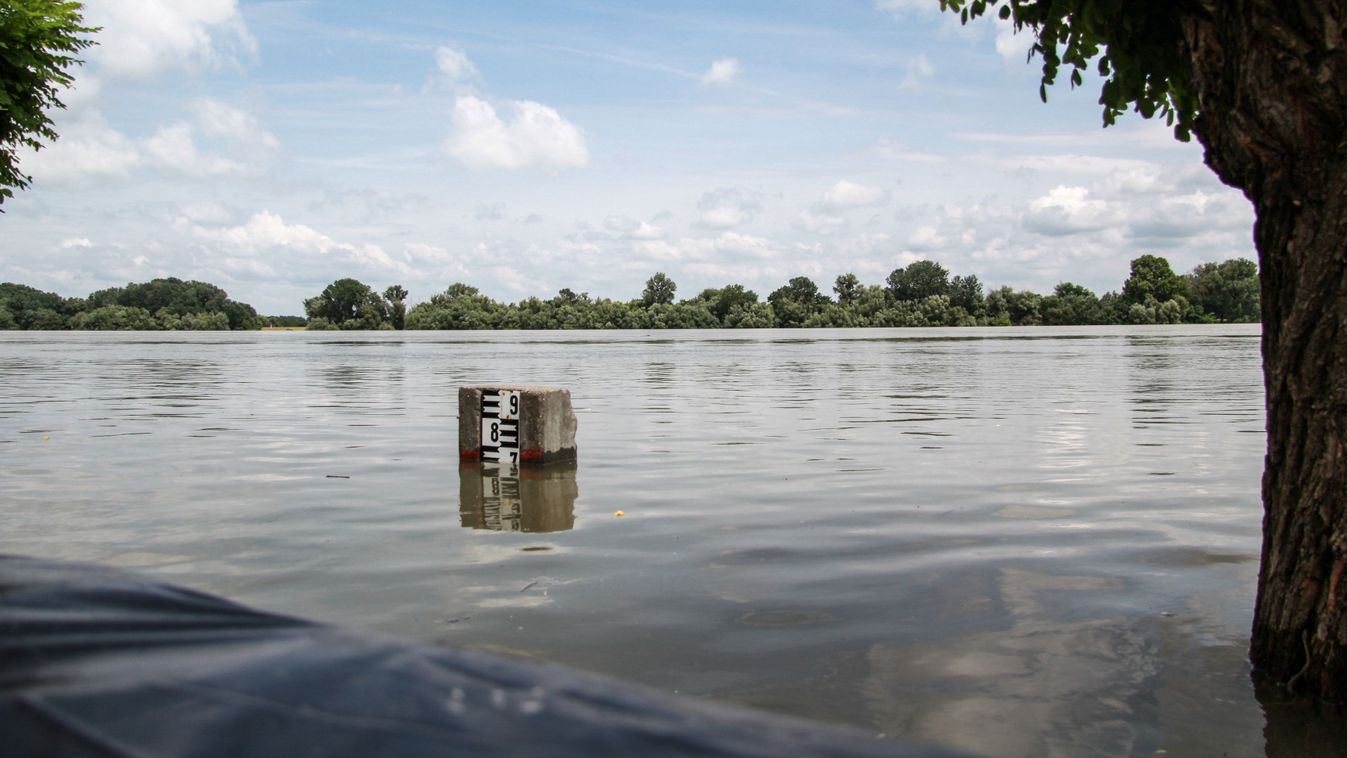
x: 1015, y: 541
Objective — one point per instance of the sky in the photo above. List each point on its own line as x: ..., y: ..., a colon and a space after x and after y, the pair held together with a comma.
x: 273, y: 147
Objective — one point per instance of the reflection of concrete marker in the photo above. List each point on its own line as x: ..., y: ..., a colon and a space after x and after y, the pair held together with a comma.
x: 512, y: 424
x: 512, y: 499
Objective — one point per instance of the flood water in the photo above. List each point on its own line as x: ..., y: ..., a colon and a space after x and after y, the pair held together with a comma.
x: 1013, y: 541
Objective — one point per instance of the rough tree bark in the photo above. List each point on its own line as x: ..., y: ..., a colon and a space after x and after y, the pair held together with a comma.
x: 1271, y: 82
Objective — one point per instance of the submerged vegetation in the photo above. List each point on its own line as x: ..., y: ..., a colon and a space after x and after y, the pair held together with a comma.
x: 921, y: 294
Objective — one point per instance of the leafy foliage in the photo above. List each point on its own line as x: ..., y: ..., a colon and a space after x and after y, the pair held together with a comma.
x: 931, y: 299
x: 797, y: 301
x: 170, y: 298
x: 39, y: 40
x: 396, y: 296
x: 659, y: 289
x: 1152, y: 279
x: 155, y: 305
x: 1072, y: 304
x: 919, y: 281
x: 1128, y: 43
x: 720, y: 302
x: 848, y: 288
x: 1225, y: 291
x: 348, y: 304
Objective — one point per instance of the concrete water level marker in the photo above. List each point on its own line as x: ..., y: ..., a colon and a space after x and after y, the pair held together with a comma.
x: 509, y: 424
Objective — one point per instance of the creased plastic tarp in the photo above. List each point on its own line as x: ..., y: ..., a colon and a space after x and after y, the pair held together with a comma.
x: 95, y: 661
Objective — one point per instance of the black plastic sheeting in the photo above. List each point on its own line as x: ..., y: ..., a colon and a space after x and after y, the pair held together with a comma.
x: 95, y: 661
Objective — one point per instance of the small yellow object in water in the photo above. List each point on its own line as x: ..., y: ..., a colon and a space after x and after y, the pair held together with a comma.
x: 619, y: 514
x: 45, y: 438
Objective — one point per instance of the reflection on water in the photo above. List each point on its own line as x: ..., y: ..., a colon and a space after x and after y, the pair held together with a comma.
x: 1021, y: 541
x: 506, y: 498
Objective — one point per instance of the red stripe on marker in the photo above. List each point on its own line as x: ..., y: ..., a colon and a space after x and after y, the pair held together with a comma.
x: 531, y: 455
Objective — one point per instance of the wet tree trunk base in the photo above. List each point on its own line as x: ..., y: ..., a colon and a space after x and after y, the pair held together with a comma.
x: 1300, y: 621
x: 1271, y: 82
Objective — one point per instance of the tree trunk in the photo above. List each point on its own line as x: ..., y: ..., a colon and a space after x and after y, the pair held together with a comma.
x: 1271, y: 82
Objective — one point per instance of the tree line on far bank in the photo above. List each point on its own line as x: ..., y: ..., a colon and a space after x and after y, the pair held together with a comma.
x: 921, y: 294
x: 159, y: 304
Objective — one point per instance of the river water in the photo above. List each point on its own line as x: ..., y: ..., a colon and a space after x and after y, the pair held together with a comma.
x: 1014, y: 541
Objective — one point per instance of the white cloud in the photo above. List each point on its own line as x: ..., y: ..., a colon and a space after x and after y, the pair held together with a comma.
x: 890, y: 150
x: 453, y: 64
x: 1068, y: 210
x: 1190, y: 217
x: 74, y: 242
x: 536, y: 135
x: 143, y: 38
x: 723, y: 71
x: 174, y: 148
x: 627, y: 228
x: 726, y: 247
x: 206, y: 213
x: 727, y: 208
x: 847, y: 194
x: 821, y: 220
x: 226, y: 122
x: 1012, y: 46
x: 87, y: 148
x: 919, y: 69
x: 901, y: 8
x: 731, y: 244
x: 266, y: 229
x: 828, y: 216
x: 267, y: 232
x: 925, y: 238
x: 646, y: 231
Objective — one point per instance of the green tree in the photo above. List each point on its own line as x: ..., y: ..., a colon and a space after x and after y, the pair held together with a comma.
x: 658, y: 289
x: 565, y: 296
x: 723, y: 300
x: 348, y: 304
x: 396, y: 296
x: 1114, y: 308
x: 175, y: 297
x: 463, y: 306
x: 797, y: 300
x: 1008, y: 307
x: 751, y: 316
x: 1259, y: 83
x: 966, y: 292
x: 1151, y: 277
x: 1071, y: 304
x: 34, y: 309
x: 869, y: 301
x: 848, y: 288
x: 39, y: 40
x: 919, y: 281
x: 115, y: 318
x: 1225, y: 291
x: 692, y: 314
